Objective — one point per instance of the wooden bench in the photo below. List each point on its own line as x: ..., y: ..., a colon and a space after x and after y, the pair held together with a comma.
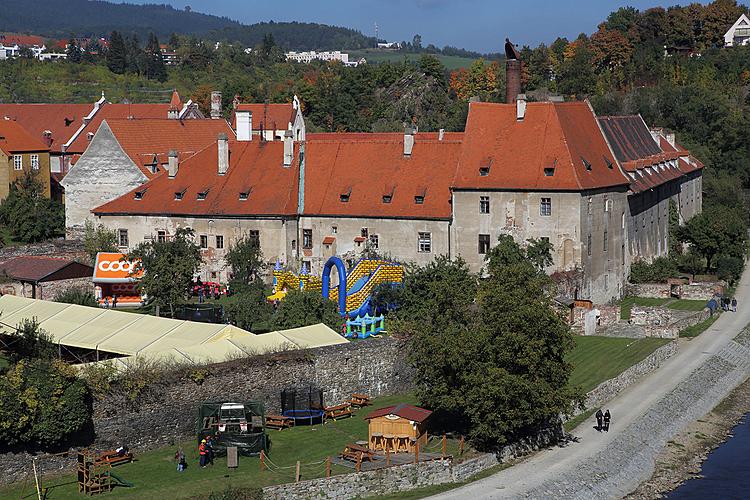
x: 111, y: 457
x: 339, y: 411
x: 357, y: 453
x: 279, y: 422
x: 360, y: 400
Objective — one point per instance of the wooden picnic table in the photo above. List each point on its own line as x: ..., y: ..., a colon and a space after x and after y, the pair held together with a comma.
x: 357, y: 453
x: 279, y: 422
x: 360, y: 400
x: 112, y: 457
x: 339, y: 411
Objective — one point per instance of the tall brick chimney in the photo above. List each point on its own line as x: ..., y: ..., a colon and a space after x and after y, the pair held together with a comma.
x: 512, y: 72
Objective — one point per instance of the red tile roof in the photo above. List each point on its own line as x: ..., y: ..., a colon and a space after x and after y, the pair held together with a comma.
x: 629, y: 137
x: 563, y: 136
x: 255, y: 168
x: 8, y: 39
x: 375, y: 177
x: 270, y: 116
x: 117, y: 111
x: 15, y: 139
x: 63, y: 120
x: 32, y: 268
x: 147, y: 139
x: 403, y: 410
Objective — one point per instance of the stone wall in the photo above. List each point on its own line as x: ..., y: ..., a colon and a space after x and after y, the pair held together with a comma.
x: 662, y: 322
x: 691, y: 291
x: 47, y: 290
x: 702, y: 291
x: 610, y: 388
x: 64, y: 249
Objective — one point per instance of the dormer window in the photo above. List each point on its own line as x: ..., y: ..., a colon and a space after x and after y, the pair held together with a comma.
x: 178, y: 195
x: 90, y: 136
x: 610, y: 165
x: 586, y: 163
x: 344, y: 197
x: 202, y: 194
x: 419, y: 199
x: 244, y: 196
x: 387, y: 198
x: 139, y: 194
x: 484, y: 167
x: 549, y: 171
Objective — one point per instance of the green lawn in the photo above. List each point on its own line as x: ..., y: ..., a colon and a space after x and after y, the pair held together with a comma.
x: 695, y: 330
x: 596, y: 359
x: 154, y: 473
x: 377, y: 56
x: 677, y: 304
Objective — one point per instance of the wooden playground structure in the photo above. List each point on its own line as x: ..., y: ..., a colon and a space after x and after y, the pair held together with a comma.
x: 93, y: 475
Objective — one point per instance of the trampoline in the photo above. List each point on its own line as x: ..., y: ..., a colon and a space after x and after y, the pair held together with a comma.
x: 301, y: 417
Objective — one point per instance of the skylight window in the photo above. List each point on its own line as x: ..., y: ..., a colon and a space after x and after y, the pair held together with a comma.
x: 387, y: 198
x: 139, y: 194
x: 549, y: 171
x: 586, y: 163
x: 244, y: 195
x: 344, y: 197
x: 484, y: 167
x: 178, y: 195
x: 610, y: 165
x: 203, y: 194
x: 419, y: 199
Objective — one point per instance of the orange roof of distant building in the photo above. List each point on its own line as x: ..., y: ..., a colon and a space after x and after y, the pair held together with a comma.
x: 501, y: 152
x: 62, y: 120
x: 270, y: 116
x: 255, y: 174
x: 175, y: 102
x: 348, y: 175
x: 147, y: 140
x: 16, y: 39
x: 15, y: 139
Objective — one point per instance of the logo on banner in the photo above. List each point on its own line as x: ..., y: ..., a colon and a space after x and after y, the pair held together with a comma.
x: 115, y: 266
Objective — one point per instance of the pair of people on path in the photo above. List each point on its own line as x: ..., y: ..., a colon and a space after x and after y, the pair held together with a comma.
x: 602, y: 420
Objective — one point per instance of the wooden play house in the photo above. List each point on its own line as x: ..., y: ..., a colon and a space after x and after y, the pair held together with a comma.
x: 398, y: 428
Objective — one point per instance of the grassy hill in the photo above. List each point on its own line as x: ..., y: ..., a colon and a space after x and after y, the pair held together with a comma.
x: 375, y: 56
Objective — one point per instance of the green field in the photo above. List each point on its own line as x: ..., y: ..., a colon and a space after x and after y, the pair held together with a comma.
x: 155, y: 476
x: 678, y: 304
x: 377, y: 56
x: 596, y: 359
x: 695, y: 330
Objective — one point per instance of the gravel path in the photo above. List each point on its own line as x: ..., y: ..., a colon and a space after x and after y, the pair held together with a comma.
x: 644, y: 417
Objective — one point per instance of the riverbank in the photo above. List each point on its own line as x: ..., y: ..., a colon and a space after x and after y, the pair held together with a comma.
x: 681, y: 459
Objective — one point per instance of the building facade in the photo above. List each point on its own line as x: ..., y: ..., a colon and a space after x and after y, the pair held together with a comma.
x: 20, y: 154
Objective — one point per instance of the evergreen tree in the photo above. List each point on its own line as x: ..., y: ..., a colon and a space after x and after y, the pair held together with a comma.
x: 74, y: 52
x: 134, y: 55
x: 117, y: 58
x: 154, y: 63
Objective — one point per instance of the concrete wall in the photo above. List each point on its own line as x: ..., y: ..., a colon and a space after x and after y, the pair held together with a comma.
x: 103, y: 173
x: 396, y: 238
x: 276, y: 236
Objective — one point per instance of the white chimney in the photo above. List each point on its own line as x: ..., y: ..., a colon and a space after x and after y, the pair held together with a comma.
x: 244, y: 125
x: 173, y: 164
x: 441, y: 134
x: 669, y: 136
x: 288, y: 148
x: 215, y: 105
x: 520, y: 107
x: 223, y: 146
x: 408, y: 140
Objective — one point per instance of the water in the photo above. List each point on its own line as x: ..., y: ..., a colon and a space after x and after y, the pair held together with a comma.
x: 726, y: 472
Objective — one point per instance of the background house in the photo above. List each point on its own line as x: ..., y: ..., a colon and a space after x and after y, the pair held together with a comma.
x: 20, y: 153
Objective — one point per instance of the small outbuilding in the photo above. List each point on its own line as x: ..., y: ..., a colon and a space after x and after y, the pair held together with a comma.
x: 398, y: 428
x: 46, y: 276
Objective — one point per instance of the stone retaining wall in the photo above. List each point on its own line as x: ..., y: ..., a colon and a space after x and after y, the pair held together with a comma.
x: 692, y: 291
x: 612, y: 387
x: 47, y: 290
x: 665, y: 323
x: 64, y: 249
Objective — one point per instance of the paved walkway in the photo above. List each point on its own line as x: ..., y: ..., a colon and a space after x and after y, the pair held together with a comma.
x: 644, y: 417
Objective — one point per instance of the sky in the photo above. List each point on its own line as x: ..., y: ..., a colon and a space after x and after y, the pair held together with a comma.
x: 479, y: 25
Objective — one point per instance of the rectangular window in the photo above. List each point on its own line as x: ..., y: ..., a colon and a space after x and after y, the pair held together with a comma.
x: 334, y: 229
x: 123, y: 237
x: 254, y: 236
x: 35, y: 162
x: 204, y: 241
x: 545, y: 207
x: 484, y: 244
x: 161, y: 236
x: 622, y: 254
x: 17, y: 162
x: 363, y: 232
x: 219, y: 241
x: 591, y: 206
x: 307, y: 241
x: 606, y: 241
x: 424, y: 242
x: 484, y: 204
x: 622, y: 223
x: 374, y: 241
x: 588, y: 246
x: 606, y: 205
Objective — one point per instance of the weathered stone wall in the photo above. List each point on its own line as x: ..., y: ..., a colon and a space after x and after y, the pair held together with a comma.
x: 649, y: 290
x: 702, y: 291
x: 45, y: 291
x: 612, y: 387
x: 165, y: 409
x: 691, y: 291
x: 662, y: 322
x: 64, y: 249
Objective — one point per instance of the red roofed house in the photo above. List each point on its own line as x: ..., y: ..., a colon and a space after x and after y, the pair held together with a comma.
x: 46, y: 276
x: 11, y: 45
x: 126, y: 153
x: 271, y: 121
x: 20, y: 152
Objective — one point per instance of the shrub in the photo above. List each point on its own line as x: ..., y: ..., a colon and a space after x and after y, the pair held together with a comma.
x: 659, y: 270
x: 77, y: 295
x: 31, y: 343
x: 303, y: 308
x: 729, y: 268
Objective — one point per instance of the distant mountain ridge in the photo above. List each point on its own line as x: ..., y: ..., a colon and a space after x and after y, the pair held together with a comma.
x: 60, y: 18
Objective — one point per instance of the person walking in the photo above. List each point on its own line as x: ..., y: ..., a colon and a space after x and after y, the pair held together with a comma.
x: 203, y: 453
x: 181, y: 460
x: 599, y: 416
x: 209, y: 450
x: 734, y: 304
x: 607, y: 419
x: 200, y: 295
x: 114, y: 301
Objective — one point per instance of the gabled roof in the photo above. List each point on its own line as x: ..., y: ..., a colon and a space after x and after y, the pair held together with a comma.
x: 117, y: 111
x: 9, y: 39
x: 270, y: 116
x: 36, y: 269
x: 501, y: 152
x: 255, y: 169
x: 629, y: 137
x: 147, y: 141
x: 367, y: 175
x: 15, y: 139
x: 403, y: 410
x: 62, y: 120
